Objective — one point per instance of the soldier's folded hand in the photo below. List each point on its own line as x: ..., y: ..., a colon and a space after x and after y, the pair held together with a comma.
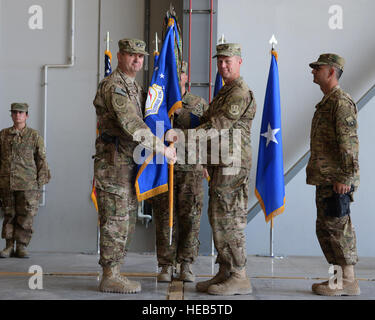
x: 341, y: 188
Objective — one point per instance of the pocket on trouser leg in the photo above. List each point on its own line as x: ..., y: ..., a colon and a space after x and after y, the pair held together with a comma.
x: 132, y: 222
x: 238, y: 250
x: 27, y: 204
x: 113, y: 236
x: 114, y: 227
x: 32, y: 201
x: 344, y: 244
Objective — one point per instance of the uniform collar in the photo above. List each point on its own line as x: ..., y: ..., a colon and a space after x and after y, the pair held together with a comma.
x: 326, y: 97
x: 186, y: 95
x: 233, y: 83
x: 22, y: 132
x: 125, y: 77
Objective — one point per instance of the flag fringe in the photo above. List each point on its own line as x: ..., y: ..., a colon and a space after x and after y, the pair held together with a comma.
x: 94, y: 200
x: 150, y: 193
x: 273, y: 213
x: 176, y: 106
x: 274, y: 53
x: 109, y: 54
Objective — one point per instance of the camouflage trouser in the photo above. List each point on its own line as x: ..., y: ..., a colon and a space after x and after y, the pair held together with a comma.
x: 118, y: 216
x: 227, y: 214
x: 336, y: 235
x: 19, y: 208
x: 188, y: 202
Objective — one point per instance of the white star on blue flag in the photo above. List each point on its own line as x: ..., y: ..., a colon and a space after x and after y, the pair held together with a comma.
x: 270, y: 134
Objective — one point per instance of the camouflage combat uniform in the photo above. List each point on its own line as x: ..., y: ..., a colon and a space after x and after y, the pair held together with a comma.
x: 334, y: 158
x: 23, y: 172
x: 233, y: 108
x: 188, y: 201
x: 119, y: 108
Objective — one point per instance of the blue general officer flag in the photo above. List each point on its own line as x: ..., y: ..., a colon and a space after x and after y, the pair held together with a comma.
x: 219, y: 82
x: 107, y: 72
x: 269, y: 187
x: 107, y: 63
x: 164, y: 97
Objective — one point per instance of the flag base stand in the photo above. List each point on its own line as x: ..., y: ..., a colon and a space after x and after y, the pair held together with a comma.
x: 279, y: 257
x: 271, y: 254
x: 98, y: 242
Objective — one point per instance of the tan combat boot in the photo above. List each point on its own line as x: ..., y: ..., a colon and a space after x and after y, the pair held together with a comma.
x: 165, y: 274
x: 8, y: 250
x: 221, y: 276
x: 349, y: 285
x: 21, y: 251
x: 112, y: 281
x: 237, y: 283
x: 186, y: 274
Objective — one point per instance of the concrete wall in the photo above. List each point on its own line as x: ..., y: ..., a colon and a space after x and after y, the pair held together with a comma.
x: 303, y: 32
x: 68, y: 222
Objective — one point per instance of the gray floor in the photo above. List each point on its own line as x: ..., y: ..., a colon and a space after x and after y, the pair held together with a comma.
x: 76, y: 277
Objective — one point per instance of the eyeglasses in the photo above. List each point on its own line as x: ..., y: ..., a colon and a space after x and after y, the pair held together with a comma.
x: 17, y: 112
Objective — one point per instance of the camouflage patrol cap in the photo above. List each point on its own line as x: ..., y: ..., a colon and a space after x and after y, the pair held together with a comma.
x: 331, y: 59
x: 132, y: 46
x: 17, y: 106
x: 184, y: 67
x: 228, y: 49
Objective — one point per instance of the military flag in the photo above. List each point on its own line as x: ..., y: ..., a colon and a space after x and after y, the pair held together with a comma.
x: 107, y: 63
x: 219, y: 82
x: 164, y: 97
x: 171, y: 14
x: 107, y: 72
x: 269, y: 188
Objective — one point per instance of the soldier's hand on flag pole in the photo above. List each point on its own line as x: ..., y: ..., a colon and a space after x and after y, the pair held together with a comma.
x: 205, y: 174
x: 170, y: 154
x: 171, y: 136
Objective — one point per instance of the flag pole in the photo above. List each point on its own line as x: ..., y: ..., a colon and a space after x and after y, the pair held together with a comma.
x: 271, y: 238
x: 273, y: 42
x: 170, y: 200
x: 171, y: 186
x: 98, y: 226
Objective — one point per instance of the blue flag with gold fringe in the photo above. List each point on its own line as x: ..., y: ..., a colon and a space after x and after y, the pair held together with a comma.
x: 164, y: 97
x: 107, y: 72
x: 107, y: 63
x: 269, y: 187
x: 219, y: 82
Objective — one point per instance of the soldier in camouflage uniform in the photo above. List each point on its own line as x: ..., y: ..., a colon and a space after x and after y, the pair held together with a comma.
x: 188, y: 202
x: 23, y: 172
x: 119, y: 104
x: 230, y: 112
x: 333, y: 168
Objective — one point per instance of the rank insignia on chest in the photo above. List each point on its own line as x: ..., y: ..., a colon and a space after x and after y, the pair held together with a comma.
x: 350, y: 121
x: 234, y: 109
x: 119, y: 101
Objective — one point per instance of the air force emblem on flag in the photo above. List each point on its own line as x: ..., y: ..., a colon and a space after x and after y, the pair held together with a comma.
x: 155, y: 98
